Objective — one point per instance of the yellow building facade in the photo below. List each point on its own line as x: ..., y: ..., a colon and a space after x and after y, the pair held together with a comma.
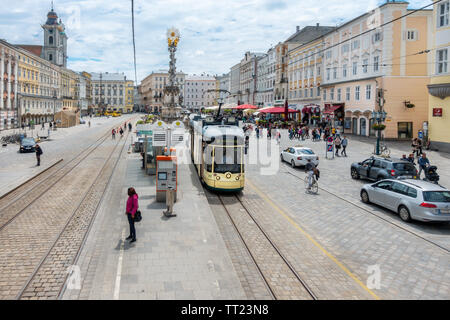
x: 129, y: 96
x: 386, y: 68
x: 439, y: 87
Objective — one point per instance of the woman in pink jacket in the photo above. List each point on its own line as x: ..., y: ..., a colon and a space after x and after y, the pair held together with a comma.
x: 132, y: 207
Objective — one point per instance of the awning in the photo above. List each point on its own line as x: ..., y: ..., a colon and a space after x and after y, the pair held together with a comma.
x: 277, y: 110
x: 331, y: 109
x: 244, y: 106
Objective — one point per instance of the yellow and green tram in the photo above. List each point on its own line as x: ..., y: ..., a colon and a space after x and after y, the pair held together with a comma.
x: 217, y: 151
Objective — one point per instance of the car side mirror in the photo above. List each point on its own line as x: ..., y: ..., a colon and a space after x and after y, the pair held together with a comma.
x: 360, y: 163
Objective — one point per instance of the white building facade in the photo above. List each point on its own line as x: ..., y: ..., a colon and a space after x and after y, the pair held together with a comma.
x: 196, y: 95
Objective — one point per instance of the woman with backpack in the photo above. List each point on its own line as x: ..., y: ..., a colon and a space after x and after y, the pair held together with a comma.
x: 132, y: 208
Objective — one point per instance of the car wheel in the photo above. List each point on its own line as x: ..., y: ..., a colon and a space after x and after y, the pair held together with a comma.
x: 365, y: 196
x: 404, y: 213
x: 281, y: 156
x: 292, y: 163
x: 355, y: 174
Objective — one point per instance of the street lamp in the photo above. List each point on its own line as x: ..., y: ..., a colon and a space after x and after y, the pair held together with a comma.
x: 379, y: 116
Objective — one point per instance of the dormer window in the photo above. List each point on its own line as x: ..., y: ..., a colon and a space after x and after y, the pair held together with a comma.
x: 50, y: 40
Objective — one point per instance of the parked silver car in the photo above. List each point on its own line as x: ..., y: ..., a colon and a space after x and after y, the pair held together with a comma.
x: 411, y: 199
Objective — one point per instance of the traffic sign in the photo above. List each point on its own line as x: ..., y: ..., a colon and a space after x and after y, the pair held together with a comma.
x: 330, y: 148
x: 420, y: 135
x: 330, y: 139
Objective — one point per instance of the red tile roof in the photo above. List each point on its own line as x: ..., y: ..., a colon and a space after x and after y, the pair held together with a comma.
x: 36, y: 50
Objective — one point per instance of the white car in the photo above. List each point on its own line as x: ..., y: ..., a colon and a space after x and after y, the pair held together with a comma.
x: 298, y: 156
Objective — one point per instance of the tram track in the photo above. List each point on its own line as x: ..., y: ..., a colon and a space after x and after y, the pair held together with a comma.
x: 13, y: 209
x: 447, y: 250
x: 280, y: 277
x: 71, y: 238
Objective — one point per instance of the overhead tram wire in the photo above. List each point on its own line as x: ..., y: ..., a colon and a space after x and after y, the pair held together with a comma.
x: 134, y: 41
x: 368, y: 31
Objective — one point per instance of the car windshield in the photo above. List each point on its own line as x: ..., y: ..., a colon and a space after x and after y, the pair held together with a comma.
x: 408, y: 167
x: 305, y: 151
x: 436, y: 196
x: 28, y: 141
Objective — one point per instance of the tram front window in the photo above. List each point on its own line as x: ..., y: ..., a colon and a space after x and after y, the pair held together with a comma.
x: 227, y: 159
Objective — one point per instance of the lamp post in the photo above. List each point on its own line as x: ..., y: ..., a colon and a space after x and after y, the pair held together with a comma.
x: 379, y: 116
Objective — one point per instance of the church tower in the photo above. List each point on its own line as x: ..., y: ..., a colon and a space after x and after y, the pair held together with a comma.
x: 55, y: 40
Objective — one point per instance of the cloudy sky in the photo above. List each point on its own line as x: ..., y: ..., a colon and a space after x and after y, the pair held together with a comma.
x: 215, y: 34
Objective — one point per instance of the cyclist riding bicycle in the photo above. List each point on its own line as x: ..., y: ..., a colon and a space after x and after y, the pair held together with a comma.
x: 309, y: 168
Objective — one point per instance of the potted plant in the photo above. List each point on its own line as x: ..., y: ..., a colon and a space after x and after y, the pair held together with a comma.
x: 378, y: 127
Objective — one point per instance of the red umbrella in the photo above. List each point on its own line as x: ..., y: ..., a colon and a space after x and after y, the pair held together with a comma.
x: 244, y: 106
x: 278, y: 110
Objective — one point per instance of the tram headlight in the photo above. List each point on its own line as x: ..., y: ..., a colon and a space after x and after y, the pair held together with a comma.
x: 218, y: 178
x: 237, y: 178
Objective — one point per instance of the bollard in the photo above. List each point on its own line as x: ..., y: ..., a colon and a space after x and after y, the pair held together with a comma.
x: 169, y: 202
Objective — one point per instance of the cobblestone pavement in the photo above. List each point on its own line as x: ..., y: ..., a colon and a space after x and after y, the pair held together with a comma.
x: 279, y: 277
x: 52, y: 274
x: 26, y: 241
x: 65, y: 143
x: 178, y: 258
x: 252, y: 281
x: 411, y: 268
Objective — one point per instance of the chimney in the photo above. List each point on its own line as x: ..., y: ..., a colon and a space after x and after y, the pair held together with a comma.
x: 298, y: 28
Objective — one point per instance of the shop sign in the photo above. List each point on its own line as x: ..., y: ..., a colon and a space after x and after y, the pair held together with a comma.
x: 437, y: 112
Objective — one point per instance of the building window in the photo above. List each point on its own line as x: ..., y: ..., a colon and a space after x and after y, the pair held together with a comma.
x: 318, y: 91
x: 344, y: 71
x: 324, y: 94
x: 443, y: 14
x: 377, y: 36
x: 365, y: 64
x: 442, y: 60
x: 355, y: 45
x: 347, y: 94
x: 311, y: 92
x: 306, y: 93
x: 368, y: 91
x: 411, y: 35
x: 339, y: 94
x: 357, y: 93
x: 50, y: 40
x: 334, y: 72
x: 328, y: 54
x: 328, y: 73
x: 332, y: 94
x: 345, y: 48
x: 375, y: 63
x: 355, y: 68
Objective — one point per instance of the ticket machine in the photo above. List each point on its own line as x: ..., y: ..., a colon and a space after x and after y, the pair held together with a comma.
x: 166, y: 177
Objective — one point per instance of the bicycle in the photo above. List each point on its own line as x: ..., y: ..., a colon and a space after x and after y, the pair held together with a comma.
x: 385, y: 152
x: 314, y: 186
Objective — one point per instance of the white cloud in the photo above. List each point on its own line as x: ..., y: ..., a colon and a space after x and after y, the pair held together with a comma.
x: 214, y: 34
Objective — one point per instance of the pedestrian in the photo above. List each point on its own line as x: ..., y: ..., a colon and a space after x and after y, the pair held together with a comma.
x: 278, y: 136
x: 129, y: 126
x: 411, y: 158
x: 419, y: 147
x: 23, y: 126
x: 113, y: 133
x: 333, y: 132
x: 257, y: 132
x: 423, y: 162
x: 132, y: 208
x: 89, y: 123
x: 404, y: 158
x: 337, y: 144
x: 50, y: 125
x: 43, y: 125
x: 38, y: 154
x: 121, y: 132
x: 344, y: 144
x: 415, y: 146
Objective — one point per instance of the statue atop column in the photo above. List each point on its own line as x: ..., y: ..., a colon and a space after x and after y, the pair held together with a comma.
x: 171, y: 109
